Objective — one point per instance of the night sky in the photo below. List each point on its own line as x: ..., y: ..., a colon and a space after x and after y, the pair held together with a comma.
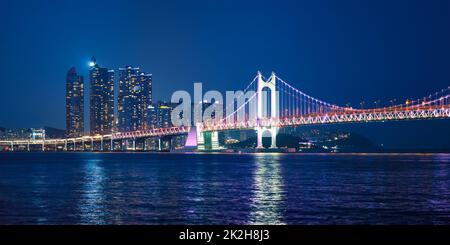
x: 339, y: 51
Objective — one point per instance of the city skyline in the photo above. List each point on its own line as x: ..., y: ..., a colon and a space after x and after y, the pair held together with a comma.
x: 286, y: 109
x: 347, y: 61
x: 130, y: 101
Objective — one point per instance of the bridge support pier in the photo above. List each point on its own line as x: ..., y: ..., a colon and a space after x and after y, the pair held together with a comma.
x: 170, y: 144
x: 208, y: 141
x: 259, y: 143
x: 200, y: 140
x: 215, y: 140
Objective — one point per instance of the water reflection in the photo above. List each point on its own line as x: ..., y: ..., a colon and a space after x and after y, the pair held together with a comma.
x: 195, y: 192
x: 40, y: 193
x: 66, y: 188
x: 92, y: 210
x: 268, y: 191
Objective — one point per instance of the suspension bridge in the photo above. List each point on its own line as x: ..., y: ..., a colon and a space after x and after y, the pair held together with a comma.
x: 279, y: 104
x: 268, y: 105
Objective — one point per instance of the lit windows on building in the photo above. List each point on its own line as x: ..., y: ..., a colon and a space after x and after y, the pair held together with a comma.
x: 134, y: 100
x: 160, y: 115
x: 101, y: 99
x: 74, y: 104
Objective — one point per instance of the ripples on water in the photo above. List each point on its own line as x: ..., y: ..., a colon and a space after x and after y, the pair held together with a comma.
x: 141, y: 188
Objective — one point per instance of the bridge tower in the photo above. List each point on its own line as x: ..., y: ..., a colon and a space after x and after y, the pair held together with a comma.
x: 263, y: 110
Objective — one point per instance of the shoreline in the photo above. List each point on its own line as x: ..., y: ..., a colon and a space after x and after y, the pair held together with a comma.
x: 232, y: 153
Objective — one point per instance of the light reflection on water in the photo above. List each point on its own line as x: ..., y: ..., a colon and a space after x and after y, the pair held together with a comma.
x: 40, y: 192
x: 83, y: 188
x: 91, y: 206
x: 268, y: 191
x: 195, y: 192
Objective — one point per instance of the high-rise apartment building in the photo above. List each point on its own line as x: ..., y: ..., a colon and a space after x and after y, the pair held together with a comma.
x: 134, y: 100
x: 101, y: 99
x: 74, y: 104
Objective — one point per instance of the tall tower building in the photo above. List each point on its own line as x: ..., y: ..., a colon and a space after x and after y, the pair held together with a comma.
x: 135, y: 99
x: 101, y: 99
x: 74, y: 104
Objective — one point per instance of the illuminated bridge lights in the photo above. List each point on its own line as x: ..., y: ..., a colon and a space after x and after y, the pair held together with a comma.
x: 294, y: 108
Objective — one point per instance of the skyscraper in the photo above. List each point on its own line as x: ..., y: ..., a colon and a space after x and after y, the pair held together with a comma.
x: 101, y: 99
x: 74, y: 104
x: 135, y: 99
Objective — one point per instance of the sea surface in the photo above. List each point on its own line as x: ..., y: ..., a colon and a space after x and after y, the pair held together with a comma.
x: 163, y: 188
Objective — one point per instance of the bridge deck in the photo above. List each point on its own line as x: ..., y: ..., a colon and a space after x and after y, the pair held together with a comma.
x: 351, y: 116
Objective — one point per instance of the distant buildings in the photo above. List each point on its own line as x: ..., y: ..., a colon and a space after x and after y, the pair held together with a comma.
x: 37, y: 134
x: 31, y: 133
x: 101, y: 99
x: 74, y: 104
x: 15, y: 134
x: 135, y: 99
x: 160, y: 115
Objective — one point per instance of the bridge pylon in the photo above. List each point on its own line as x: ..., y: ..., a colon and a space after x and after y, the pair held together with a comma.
x: 262, y: 108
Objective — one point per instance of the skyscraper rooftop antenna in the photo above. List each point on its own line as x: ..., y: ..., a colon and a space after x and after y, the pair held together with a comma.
x: 93, y: 61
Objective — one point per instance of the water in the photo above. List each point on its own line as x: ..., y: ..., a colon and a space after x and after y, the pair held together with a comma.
x: 143, y: 188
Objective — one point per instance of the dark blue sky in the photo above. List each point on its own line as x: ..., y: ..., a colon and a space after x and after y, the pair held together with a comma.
x: 339, y: 51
